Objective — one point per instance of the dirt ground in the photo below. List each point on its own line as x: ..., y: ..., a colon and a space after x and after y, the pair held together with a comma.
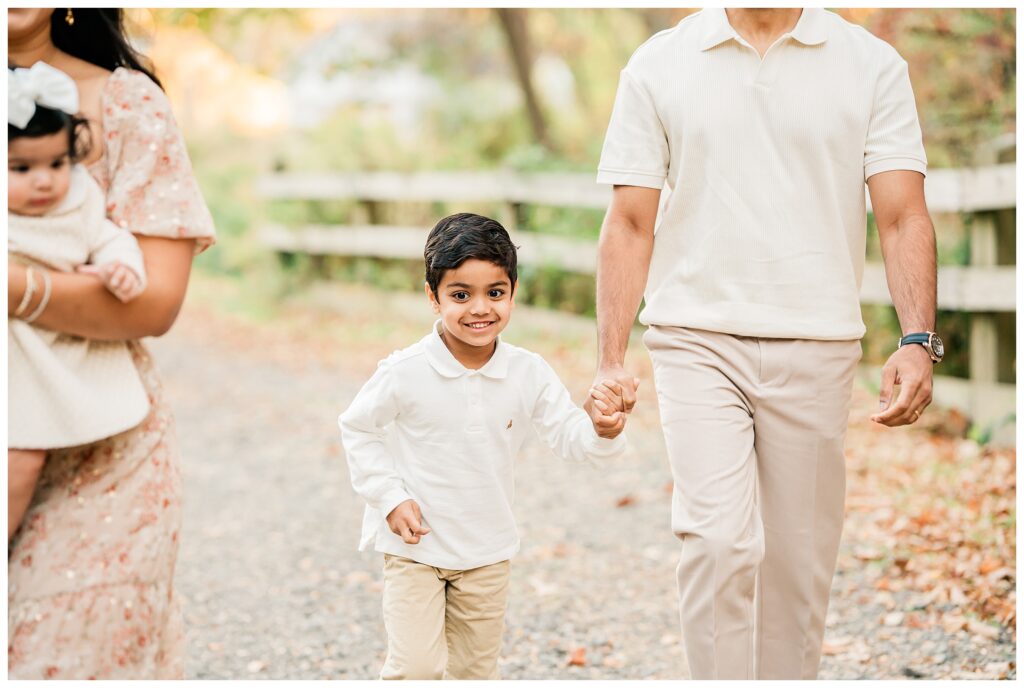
x: 274, y: 587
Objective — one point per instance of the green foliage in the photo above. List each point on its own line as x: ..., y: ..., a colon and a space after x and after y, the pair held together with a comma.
x: 962, y: 65
x: 964, y: 71
x: 984, y: 434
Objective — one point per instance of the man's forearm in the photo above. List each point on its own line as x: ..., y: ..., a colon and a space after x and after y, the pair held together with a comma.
x: 909, y: 253
x: 624, y: 257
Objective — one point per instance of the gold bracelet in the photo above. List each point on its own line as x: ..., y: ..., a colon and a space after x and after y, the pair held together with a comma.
x: 45, y: 300
x: 30, y: 291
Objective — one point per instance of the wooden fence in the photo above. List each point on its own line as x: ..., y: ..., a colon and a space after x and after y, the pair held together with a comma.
x: 985, y: 288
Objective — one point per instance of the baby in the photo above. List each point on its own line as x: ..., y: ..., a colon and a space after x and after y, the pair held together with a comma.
x: 64, y: 391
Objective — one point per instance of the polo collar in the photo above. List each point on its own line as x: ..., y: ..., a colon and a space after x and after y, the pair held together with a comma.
x: 442, y: 360
x: 810, y: 29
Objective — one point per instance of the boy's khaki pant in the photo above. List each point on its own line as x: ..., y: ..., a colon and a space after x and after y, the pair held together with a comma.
x: 754, y: 429
x: 443, y: 623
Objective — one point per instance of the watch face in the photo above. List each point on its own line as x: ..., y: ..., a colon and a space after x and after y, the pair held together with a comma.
x: 938, y: 347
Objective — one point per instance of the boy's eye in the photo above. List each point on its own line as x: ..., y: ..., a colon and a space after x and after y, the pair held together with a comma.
x: 496, y: 293
x: 460, y: 295
x: 21, y: 169
x: 59, y: 163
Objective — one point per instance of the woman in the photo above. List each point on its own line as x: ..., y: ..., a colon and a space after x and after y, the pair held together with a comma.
x: 90, y: 572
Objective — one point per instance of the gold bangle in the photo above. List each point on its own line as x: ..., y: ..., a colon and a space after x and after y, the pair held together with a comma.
x: 30, y: 291
x: 45, y: 301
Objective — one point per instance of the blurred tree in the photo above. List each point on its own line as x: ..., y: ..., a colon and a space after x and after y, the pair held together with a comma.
x: 513, y: 21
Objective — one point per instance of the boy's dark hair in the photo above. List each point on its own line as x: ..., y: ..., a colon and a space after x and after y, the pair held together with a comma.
x: 460, y: 237
x: 46, y: 121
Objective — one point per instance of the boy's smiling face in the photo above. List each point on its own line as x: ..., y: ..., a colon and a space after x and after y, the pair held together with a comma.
x: 475, y: 302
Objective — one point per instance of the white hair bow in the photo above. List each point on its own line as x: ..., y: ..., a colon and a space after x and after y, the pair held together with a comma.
x: 43, y: 85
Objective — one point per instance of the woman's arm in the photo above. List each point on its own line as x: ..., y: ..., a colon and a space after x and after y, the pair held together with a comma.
x: 80, y: 304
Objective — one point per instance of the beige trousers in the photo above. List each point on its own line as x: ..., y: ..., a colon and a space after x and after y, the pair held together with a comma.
x: 443, y: 623
x: 754, y: 430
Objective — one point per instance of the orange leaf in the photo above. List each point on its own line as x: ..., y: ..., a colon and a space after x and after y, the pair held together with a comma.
x: 578, y: 657
x: 625, y: 500
x: 988, y: 565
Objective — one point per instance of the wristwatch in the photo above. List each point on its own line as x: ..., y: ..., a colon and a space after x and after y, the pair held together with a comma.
x: 929, y: 340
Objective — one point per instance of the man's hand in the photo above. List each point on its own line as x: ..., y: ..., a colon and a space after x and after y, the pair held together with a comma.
x: 608, y: 403
x: 910, y: 367
x: 616, y: 388
x: 406, y: 522
x: 607, y: 418
x: 120, y: 279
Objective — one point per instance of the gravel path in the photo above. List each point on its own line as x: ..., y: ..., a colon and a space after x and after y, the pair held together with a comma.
x: 273, y: 586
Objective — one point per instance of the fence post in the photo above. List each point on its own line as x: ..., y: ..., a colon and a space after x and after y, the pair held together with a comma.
x: 990, y: 349
x: 510, y: 213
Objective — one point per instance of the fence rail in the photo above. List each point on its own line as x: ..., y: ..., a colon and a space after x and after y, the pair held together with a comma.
x: 985, y: 289
x: 960, y: 190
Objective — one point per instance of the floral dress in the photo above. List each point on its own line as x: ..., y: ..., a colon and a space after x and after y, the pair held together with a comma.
x: 90, y: 573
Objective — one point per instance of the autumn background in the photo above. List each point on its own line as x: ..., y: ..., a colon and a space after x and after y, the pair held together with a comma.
x: 927, y: 571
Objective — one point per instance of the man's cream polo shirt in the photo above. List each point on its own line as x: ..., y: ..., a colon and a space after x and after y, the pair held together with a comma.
x: 427, y: 428
x: 762, y: 163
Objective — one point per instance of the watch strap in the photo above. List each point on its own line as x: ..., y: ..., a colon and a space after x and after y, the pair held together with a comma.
x: 916, y: 338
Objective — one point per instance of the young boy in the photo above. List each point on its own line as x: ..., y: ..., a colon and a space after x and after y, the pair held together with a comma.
x: 431, y: 440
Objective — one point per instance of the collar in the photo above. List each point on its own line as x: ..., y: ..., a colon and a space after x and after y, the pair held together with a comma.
x: 78, y: 190
x: 442, y: 360
x: 810, y: 29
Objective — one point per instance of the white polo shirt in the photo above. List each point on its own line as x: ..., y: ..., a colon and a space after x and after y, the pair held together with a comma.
x: 427, y: 428
x: 762, y: 163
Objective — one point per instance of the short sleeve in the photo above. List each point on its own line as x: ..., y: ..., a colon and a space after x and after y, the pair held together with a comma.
x: 151, y: 187
x: 635, y: 151
x: 894, y: 133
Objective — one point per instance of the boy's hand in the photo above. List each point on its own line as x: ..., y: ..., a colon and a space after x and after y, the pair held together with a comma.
x: 406, y: 522
x: 120, y: 279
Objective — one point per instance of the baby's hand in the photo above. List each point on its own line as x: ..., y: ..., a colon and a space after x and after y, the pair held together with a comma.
x: 120, y: 279
x: 406, y: 522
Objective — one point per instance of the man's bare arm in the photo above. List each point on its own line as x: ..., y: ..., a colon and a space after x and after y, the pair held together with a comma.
x: 624, y: 256
x: 908, y: 248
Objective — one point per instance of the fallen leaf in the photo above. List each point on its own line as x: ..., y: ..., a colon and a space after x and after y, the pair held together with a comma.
x: 613, y: 662
x: 625, y: 500
x: 916, y: 621
x: 953, y: 623
x: 983, y: 629
x: 578, y: 657
x: 868, y: 553
x: 988, y: 565
x: 893, y: 619
x: 997, y: 669
x: 835, y: 646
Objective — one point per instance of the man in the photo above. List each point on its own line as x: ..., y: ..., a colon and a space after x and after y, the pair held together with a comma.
x: 761, y: 126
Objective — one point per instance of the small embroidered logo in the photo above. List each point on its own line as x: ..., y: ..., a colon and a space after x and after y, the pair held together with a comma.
x: 509, y: 426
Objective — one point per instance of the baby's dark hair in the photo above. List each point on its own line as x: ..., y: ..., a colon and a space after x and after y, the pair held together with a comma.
x: 46, y: 121
x: 460, y: 237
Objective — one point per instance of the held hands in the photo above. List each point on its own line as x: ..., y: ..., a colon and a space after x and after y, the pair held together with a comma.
x: 120, y: 279
x: 611, y: 399
x: 910, y: 367
x: 406, y: 522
